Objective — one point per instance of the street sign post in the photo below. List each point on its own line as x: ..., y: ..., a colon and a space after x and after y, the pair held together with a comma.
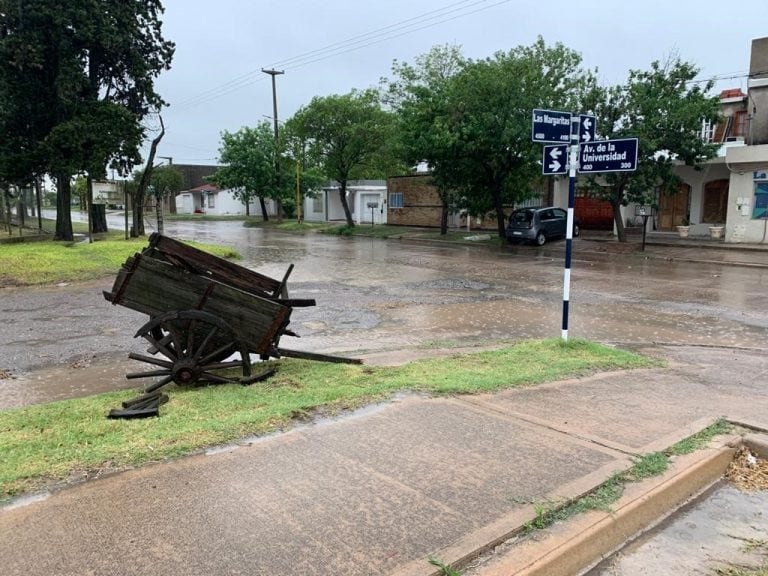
x: 551, y: 126
x: 555, y: 160
x: 575, y: 139
x: 608, y: 156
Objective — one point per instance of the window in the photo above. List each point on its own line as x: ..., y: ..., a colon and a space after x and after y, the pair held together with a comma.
x: 739, y: 123
x: 317, y: 204
x: 396, y: 200
x: 761, y: 201
x: 211, y: 200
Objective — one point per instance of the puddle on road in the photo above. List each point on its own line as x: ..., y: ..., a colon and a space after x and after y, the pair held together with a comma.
x: 89, y: 375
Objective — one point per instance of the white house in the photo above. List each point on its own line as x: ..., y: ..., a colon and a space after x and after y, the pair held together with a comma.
x: 367, y: 201
x: 209, y: 199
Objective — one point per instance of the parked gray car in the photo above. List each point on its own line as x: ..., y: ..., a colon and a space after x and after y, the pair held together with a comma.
x: 539, y: 225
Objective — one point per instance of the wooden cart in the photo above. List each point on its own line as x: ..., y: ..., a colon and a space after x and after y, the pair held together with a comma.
x: 207, y: 315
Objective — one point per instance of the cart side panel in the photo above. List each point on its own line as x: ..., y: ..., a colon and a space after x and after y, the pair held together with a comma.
x: 217, y: 268
x: 155, y: 287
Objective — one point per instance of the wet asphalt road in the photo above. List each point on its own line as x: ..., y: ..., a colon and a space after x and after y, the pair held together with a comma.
x: 374, y: 295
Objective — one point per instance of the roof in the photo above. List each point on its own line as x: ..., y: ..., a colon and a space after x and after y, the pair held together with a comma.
x: 732, y: 93
x: 203, y: 188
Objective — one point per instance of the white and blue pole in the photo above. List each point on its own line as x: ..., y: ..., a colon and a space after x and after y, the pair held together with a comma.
x: 572, y: 165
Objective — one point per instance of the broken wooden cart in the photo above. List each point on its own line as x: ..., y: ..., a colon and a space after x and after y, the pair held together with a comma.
x: 207, y: 315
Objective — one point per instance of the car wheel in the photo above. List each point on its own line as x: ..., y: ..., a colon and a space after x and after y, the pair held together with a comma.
x: 576, y: 230
x: 541, y: 239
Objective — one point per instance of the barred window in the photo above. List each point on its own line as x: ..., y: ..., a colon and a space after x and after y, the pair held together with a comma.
x: 396, y: 200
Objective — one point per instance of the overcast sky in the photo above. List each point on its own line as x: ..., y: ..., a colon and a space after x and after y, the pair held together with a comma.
x: 333, y: 46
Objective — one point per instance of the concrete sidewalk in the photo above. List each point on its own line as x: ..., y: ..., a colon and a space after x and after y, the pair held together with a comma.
x: 668, y: 246
x: 380, y: 491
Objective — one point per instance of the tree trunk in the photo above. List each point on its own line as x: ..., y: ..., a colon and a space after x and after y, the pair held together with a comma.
x: 264, y: 215
x: 38, y: 194
x: 21, y: 210
x: 89, y: 206
x: 444, y: 218
x: 497, y: 204
x: 99, y: 218
x: 141, y: 189
x: 159, y: 212
x: 344, y: 204
x: 63, y: 209
x: 7, y: 209
x: 618, y: 220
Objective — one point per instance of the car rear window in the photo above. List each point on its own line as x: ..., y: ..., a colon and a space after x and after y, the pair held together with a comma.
x: 521, y: 217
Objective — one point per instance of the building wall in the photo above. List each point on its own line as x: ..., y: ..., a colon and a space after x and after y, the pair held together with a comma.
x: 758, y: 92
x: 749, y: 170
x: 421, y: 202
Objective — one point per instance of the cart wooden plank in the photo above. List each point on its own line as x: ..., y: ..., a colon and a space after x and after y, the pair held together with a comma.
x: 154, y: 287
x: 217, y: 268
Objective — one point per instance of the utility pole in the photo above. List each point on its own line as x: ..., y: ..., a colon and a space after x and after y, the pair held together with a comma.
x: 274, y: 73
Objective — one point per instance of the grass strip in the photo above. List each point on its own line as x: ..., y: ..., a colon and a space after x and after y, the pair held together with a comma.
x: 645, y: 466
x: 51, y: 442
x: 50, y: 262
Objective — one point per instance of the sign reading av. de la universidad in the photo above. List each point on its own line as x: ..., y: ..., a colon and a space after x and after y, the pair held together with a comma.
x: 608, y: 156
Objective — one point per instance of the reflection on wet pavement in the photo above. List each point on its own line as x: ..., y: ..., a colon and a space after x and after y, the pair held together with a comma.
x: 375, y: 295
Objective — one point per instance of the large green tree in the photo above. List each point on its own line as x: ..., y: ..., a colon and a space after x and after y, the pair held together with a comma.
x: 417, y: 93
x: 474, y: 127
x: 349, y: 135
x: 249, y: 167
x: 663, y: 108
x: 92, y: 64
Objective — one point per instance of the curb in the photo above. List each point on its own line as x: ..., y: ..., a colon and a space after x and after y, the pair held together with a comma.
x: 582, y: 542
x: 585, y: 541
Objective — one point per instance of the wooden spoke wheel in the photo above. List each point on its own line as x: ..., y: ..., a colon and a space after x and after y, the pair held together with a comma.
x: 195, y: 346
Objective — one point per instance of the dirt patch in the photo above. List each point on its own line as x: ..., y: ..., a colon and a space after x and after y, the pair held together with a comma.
x: 748, y: 472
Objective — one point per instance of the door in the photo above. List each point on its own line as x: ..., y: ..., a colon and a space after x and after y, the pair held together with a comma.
x: 370, y: 209
x: 673, y: 208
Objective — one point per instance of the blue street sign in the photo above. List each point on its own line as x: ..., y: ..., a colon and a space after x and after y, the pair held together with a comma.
x: 587, y: 124
x: 608, y: 156
x: 551, y: 126
x: 555, y: 158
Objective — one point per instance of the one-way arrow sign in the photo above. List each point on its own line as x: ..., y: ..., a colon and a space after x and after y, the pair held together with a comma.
x: 587, y: 124
x: 554, y: 160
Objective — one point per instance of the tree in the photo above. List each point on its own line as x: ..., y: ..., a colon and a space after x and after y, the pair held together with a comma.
x: 139, y: 190
x: 164, y: 181
x: 417, y: 93
x: 93, y: 65
x: 663, y: 108
x: 349, y: 135
x: 249, y: 167
x: 474, y: 128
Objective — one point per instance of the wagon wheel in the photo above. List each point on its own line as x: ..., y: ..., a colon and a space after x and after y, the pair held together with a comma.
x: 195, y: 345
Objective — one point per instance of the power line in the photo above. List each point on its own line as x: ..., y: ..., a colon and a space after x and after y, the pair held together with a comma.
x: 255, y: 73
x: 408, y: 26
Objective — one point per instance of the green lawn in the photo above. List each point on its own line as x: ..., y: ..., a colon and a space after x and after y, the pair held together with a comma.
x: 49, y: 262
x: 50, y: 442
